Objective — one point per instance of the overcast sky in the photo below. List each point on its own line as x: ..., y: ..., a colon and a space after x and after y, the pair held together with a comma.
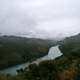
x: 40, y: 18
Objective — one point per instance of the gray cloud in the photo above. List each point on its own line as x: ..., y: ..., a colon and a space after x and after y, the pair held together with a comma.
x: 40, y: 18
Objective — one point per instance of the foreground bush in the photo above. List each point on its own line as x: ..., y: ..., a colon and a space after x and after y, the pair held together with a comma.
x: 59, y: 69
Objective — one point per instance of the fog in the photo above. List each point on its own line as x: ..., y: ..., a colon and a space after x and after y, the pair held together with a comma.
x: 40, y: 18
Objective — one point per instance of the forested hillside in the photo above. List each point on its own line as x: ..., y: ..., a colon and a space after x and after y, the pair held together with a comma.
x: 15, y: 50
x: 71, y: 46
x: 66, y: 67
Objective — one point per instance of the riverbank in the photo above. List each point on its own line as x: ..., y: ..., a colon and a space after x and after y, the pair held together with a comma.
x: 62, y: 68
x: 52, y: 54
x: 17, y: 50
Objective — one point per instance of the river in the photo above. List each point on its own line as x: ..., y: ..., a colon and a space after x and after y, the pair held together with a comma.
x: 53, y: 53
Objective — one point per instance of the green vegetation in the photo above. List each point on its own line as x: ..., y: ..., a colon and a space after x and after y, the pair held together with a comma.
x: 66, y: 67
x: 58, y: 69
x: 71, y: 46
x: 16, y: 50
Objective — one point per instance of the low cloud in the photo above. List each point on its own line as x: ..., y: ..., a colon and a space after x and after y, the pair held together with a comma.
x: 40, y: 18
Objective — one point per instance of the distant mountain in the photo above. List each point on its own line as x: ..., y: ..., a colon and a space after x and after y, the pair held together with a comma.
x: 71, y: 46
x: 15, y: 50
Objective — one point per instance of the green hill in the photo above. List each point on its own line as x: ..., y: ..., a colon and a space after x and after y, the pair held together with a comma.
x: 71, y: 46
x: 16, y: 50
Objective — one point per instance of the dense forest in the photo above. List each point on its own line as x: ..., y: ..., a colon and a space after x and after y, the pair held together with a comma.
x: 71, y: 46
x: 66, y: 67
x: 16, y: 50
